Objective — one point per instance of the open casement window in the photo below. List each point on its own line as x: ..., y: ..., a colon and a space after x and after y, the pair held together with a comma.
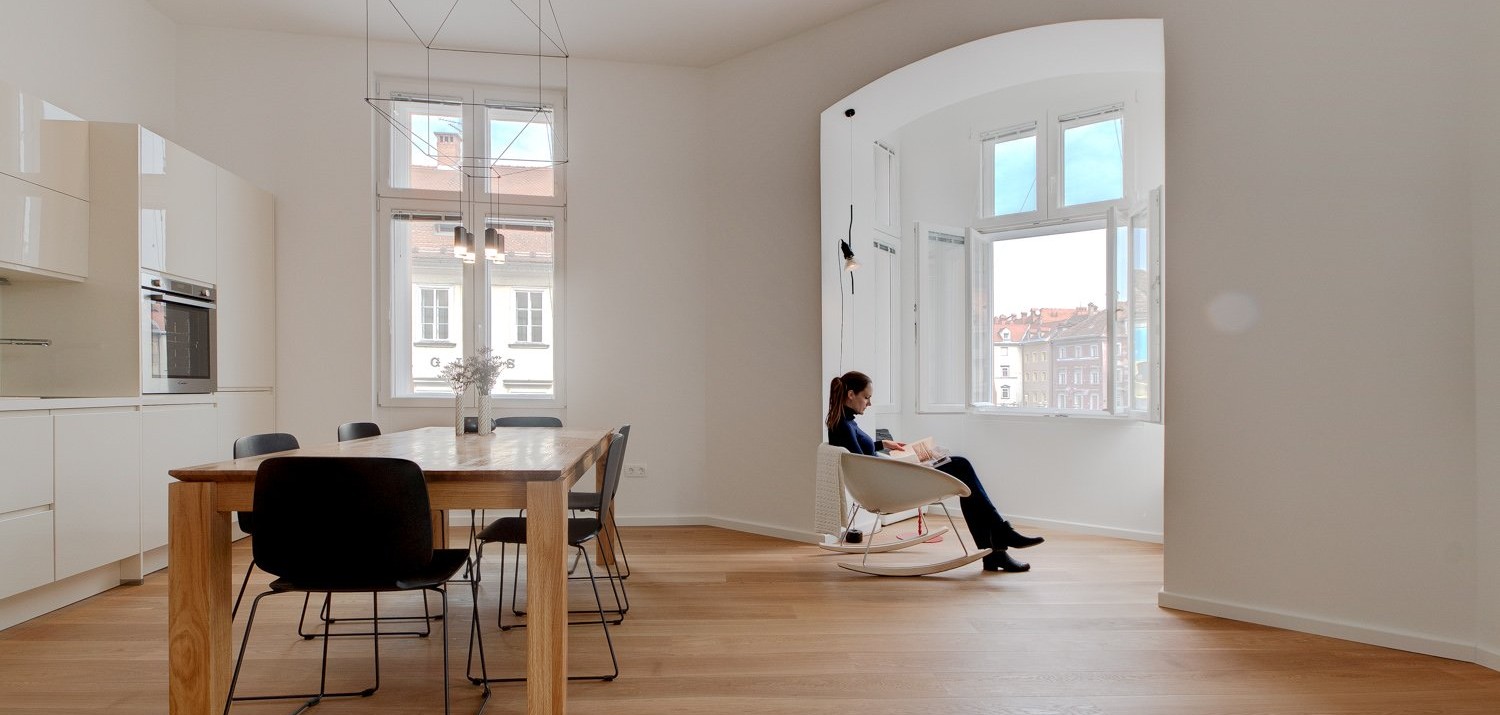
x: 1039, y: 319
x: 943, y: 302
x: 1090, y: 147
x: 1136, y: 288
x: 876, y: 331
x: 439, y: 307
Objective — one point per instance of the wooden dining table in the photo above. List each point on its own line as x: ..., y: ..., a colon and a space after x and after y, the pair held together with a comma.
x: 518, y: 467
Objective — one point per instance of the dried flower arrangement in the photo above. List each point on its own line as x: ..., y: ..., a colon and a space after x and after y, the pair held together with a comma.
x: 480, y: 370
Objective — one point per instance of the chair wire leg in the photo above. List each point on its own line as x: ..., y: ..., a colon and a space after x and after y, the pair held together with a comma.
x: 954, y: 528
x: 515, y: 584
x: 312, y: 698
x: 624, y: 558
x: 447, y: 700
x: 236, y: 610
x: 603, y: 623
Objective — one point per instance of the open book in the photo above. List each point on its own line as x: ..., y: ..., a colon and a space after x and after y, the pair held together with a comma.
x: 922, y: 451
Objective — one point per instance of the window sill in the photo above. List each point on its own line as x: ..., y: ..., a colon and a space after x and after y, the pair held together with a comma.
x: 529, y: 346
x: 434, y: 344
x: 1035, y: 413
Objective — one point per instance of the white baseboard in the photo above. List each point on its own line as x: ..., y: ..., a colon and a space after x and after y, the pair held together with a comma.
x: 1487, y: 658
x: 1385, y: 638
x: 27, y: 605
x: 1074, y: 527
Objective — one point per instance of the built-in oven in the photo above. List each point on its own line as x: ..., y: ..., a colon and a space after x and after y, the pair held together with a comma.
x: 179, y: 326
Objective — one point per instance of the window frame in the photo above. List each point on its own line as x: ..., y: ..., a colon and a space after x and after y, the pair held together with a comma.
x: 470, y: 205
x: 479, y: 320
x: 987, y: 142
x: 1070, y: 120
x: 447, y: 311
x: 471, y: 99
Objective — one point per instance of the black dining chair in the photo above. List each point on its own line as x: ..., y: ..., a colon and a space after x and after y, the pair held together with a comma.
x: 346, y: 432
x: 358, y: 430
x: 311, y: 548
x: 253, y: 446
x: 581, y: 531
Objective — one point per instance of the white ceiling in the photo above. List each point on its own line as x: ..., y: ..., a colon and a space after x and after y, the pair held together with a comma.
x: 694, y: 33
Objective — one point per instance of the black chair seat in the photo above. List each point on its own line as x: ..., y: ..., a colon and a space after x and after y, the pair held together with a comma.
x: 445, y: 563
x: 512, y: 530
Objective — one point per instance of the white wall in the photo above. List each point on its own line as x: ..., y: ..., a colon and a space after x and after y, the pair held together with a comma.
x: 104, y: 60
x: 1483, y: 111
x: 1294, y: 492
x: 635, y: 242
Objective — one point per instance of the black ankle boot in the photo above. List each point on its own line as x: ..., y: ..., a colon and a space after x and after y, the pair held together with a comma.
x: 1001, y: 561
x: 1012, y: 538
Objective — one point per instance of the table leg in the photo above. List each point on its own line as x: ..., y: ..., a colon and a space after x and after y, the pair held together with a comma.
x: 547, y: 594
x: 198, y: 589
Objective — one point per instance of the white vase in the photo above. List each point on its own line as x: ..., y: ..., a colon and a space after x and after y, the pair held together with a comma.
x: 486, y: 413
x: 458, y: 411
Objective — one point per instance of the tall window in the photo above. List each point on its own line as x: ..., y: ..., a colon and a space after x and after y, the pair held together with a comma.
x: 528, y: 316
x: 435, y: 312
x: 478, y: 158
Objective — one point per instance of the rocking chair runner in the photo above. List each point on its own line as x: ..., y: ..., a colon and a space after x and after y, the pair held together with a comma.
x: 884, y: 486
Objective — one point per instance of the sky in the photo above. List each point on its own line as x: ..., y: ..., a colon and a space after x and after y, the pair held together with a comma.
x: 1056, y: 271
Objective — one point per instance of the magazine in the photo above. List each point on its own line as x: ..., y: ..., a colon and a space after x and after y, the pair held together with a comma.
x: 923, y: 452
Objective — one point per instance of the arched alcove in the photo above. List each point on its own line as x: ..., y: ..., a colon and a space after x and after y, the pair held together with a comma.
x: 1103, y: 476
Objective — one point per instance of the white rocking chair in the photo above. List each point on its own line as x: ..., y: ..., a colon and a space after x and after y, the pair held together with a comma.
x: 885, y: 486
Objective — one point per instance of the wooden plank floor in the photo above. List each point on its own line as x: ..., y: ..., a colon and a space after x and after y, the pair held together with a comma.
x: 724, y: 622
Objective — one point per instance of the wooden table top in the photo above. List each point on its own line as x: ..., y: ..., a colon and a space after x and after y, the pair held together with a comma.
x: 512, y: 454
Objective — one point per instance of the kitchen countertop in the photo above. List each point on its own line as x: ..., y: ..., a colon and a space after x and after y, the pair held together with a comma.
x: 14, y: 404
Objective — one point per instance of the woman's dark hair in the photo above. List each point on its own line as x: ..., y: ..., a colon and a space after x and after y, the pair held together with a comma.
x: 838, y: 391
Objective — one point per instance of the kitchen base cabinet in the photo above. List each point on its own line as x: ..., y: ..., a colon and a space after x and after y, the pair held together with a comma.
x: 172, y: 436
x: 97, y: 488
x: 25, y: 552
x: 27, y: 440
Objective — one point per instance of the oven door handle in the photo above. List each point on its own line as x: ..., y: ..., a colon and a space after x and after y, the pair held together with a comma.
x: 181, y: 300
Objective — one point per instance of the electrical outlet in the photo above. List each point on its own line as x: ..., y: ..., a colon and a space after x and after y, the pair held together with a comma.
x: 635, y: 470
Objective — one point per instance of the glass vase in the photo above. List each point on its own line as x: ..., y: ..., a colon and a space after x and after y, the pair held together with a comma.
x: 458, y: 411
x: 486, y: 413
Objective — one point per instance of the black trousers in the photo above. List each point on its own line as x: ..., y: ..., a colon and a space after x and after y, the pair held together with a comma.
x: 985, y: 522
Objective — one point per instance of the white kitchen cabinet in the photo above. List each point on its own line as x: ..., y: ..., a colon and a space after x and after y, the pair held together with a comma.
x: 191, y: 223
x: 246, y: 219
x: 43, y: 144
x: 25, y: 552
x: 172, y: 436
x: 27, y: 480
x: 97, y: 508
x: 42, y: 232
x: 178, y: 209
x: 242, y: 414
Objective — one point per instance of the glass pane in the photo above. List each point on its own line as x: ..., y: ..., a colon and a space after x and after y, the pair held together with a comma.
x: 425, y: 263
x: 1094, y: 162
x: 520, y: 298
x: 1140, y: 315
x: 1046, y: 295
x: 945, y: 322
x: 1015, y: 176
x: 427, y: 145
x: 1121, y: 354
x: 520, y: 153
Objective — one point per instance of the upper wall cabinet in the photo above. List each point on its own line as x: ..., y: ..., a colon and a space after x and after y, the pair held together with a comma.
x: 42, y: 232
x: 43, y: 144
x: 178, y: 210
x: 44, y: 189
